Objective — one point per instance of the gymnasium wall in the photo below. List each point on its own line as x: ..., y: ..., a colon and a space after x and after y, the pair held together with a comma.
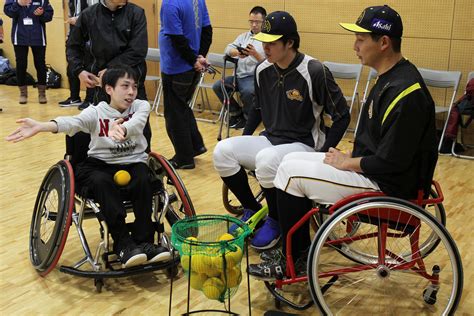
x: 438, y: 34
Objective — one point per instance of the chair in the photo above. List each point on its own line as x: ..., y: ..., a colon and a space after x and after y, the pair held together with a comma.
x: 370, y: 243
x: 153, y: 55
x: 347, y: 72
x: 372, y: 76
x: 444, y: 80
x: 461, y: 129
x: 216, y: 60
x: 60, y: 204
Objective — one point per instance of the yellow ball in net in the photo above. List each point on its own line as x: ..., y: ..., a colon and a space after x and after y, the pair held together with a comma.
x: 226, y: 236
x: 232, y: 277
x: 200, y: 263
x: 122, y: 178
x: 213, y: 288
x: 186, y: 247
x: 233, y: 258
x: 197, y: 280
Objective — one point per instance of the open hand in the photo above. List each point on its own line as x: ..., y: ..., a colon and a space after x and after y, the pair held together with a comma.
x: 28, y: 128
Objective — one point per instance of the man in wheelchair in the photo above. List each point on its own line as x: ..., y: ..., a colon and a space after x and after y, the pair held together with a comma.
x: 117, y: 143
x: 394, y: 149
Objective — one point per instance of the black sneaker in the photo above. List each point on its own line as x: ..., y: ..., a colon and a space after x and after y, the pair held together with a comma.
x: 84, y: 105
x: 132, y: 256
x: 155, y: 253
x: 180, y: 165
x: 272, y: 255
x: 240, y: 124
x: 70, y: 102
x: 200, y: 151
x: 268, y: 270
x: 271, y: 270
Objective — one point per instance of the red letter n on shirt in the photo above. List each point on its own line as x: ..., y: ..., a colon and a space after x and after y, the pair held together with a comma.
x: 104, y: 127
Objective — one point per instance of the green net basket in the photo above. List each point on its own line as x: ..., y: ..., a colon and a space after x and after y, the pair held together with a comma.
x: 211, y: 248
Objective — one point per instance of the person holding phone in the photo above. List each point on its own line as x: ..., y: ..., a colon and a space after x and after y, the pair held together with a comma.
x: 249, y: 53
x: 29, y: 30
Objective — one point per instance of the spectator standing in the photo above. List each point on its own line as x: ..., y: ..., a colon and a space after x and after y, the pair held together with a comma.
x: 185, y: 38
x: 29, y: 30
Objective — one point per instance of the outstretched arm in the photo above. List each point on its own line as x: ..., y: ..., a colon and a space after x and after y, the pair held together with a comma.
x: 30, y: 128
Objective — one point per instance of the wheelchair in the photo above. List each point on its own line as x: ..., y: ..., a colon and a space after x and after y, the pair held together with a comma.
x: 59, y: 205
x: 230, y: 201
x: 376, y: 254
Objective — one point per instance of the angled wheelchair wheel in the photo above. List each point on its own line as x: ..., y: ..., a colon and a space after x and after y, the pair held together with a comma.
x: 52, y: 217
x: 398, y: 280
x: 180, y: 205
x: 428, y: 239
x: 232, y: 204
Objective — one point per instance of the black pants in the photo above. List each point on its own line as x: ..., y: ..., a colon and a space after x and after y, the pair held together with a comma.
x: 97, y: 176
x: 21, y: 56
x: 180, y: 122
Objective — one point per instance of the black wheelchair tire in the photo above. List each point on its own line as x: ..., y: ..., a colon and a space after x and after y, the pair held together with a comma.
x: 45, y: 252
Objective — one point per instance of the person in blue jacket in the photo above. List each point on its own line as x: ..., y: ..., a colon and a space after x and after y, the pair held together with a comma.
x: 29, y: 30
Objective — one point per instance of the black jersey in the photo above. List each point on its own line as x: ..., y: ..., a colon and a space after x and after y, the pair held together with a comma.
x: 397, y: 134
x: 290, y: 102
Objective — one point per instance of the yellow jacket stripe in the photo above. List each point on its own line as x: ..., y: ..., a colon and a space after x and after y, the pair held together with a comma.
x: 404, y: 93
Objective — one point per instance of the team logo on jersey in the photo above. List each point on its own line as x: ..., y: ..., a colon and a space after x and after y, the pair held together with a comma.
x: 370, y: 111
x: 294, y: 94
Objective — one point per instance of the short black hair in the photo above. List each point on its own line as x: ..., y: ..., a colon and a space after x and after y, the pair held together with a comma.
x: 259, y: 9
x: 112, y: 75
x: 396, y: 41
x: 295, y: 38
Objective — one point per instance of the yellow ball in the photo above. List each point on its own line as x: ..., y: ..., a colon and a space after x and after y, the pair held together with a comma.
x: 185, y: 262
x: 232, y: 277
x: 213, y: 288
x: 122, y: 178
x: 186, y: 247
x: 226, y: 236
x: 233, y: 258
x: 200, y: 263
x: 197, y: 280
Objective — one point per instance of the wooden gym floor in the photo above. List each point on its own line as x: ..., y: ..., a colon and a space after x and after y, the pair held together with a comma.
x: 21, y: 172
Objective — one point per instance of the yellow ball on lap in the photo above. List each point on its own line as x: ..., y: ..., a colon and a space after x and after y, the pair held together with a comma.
x: 122, y: 178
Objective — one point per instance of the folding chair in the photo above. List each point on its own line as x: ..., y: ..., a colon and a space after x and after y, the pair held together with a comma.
x: 216, y: 60
x: 461, y: 129
x: 444, y: 80
x: 348, y: 72
x: 153, y: 55
x: 372, y: 76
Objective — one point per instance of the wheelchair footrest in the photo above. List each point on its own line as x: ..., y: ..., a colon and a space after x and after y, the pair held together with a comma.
x: 121, y: 272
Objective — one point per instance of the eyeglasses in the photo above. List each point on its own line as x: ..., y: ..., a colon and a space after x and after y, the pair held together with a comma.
x: 252, y: 22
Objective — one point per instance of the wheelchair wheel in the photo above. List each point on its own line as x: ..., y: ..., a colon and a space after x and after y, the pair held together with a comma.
x: 399, y: 279
x: 232, y: 204
x: 52, y: 217
x: 180, y: 205
x: 428, y: 239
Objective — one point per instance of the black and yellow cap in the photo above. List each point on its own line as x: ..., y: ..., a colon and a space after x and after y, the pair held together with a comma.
x: 378, y: 20
x: 276, y: 25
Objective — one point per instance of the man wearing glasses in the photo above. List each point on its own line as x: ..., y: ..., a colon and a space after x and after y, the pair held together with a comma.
x: 249, y: 53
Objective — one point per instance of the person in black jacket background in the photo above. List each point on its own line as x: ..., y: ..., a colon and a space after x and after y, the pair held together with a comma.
x: 117, y: 34
x: 74, y: 99
x: 185, y: 38
x: 29, y: 30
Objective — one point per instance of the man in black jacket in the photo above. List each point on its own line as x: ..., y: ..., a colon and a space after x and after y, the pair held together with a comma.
x: 117, y: 35
x: 74, y: 99
x: 185, y: 38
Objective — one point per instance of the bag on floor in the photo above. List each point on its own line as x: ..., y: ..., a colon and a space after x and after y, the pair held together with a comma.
x: 4, y: 65
x: 53, y: 78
